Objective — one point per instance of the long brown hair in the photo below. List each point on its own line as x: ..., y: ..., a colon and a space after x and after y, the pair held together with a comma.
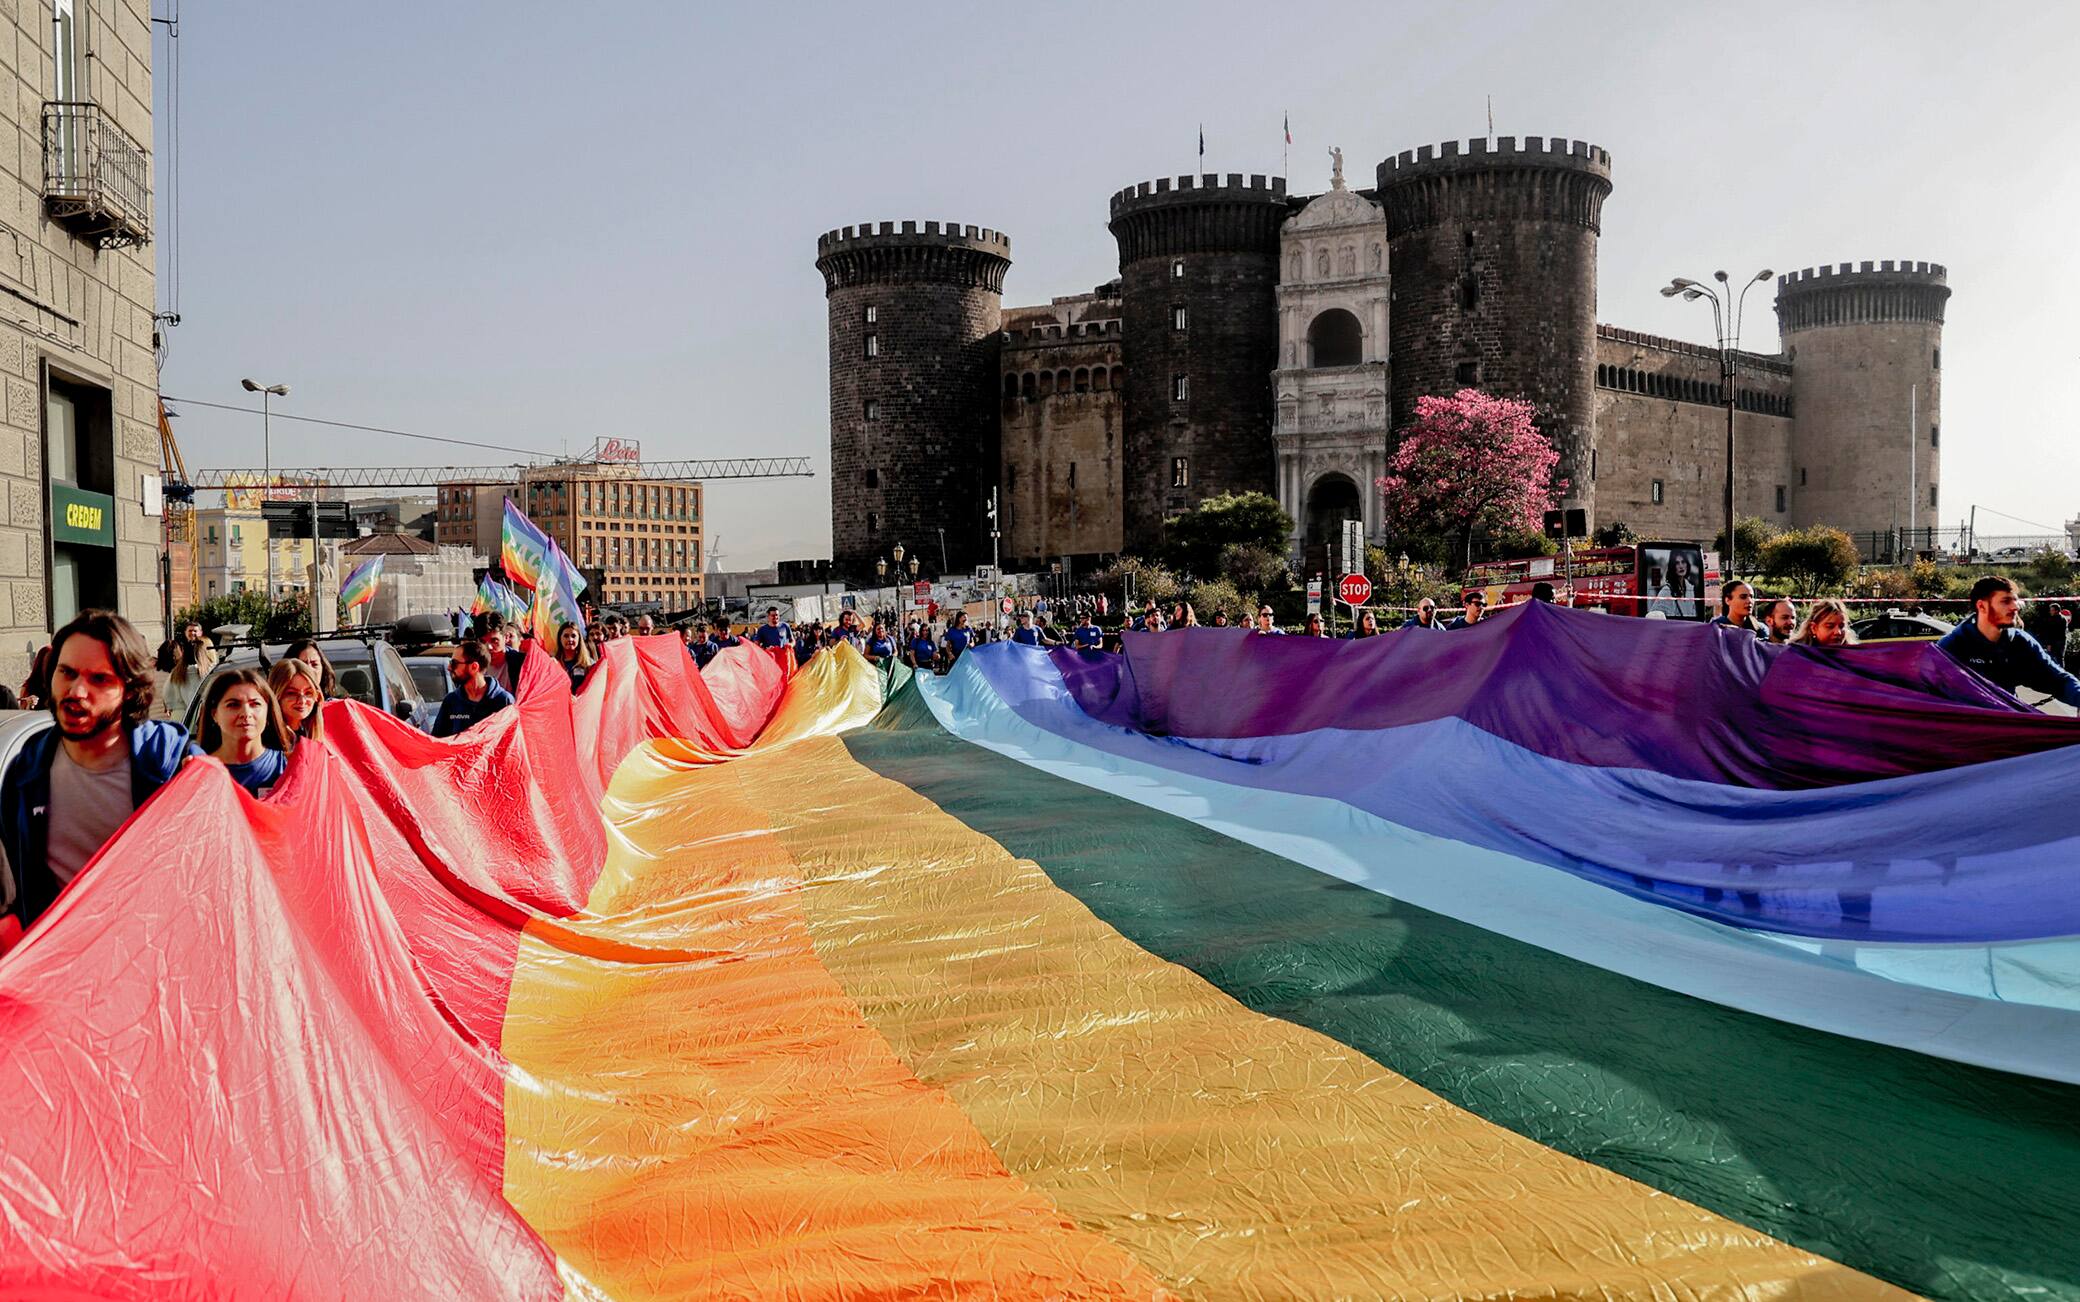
x: 213, y: 736
x: 279, y: 677
x: 126, y: 651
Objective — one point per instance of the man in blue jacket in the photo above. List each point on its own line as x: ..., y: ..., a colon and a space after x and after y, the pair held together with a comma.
x: 73, y: 785
x: 477, y: 696
x: 1991, y: 644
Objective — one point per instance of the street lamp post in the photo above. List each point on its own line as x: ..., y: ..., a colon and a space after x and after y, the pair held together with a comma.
x: 1727, y: 311
x: 266, y: 393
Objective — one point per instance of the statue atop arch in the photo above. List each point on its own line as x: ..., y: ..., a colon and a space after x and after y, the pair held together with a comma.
x: 1336, y: 168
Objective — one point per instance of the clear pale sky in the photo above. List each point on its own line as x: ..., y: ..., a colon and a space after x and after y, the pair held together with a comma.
x: 531, y: 224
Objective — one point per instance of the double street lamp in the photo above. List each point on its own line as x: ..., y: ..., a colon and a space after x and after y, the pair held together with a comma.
x: 267, y: 392
x: 1727, y: 310
x: 881, y: 569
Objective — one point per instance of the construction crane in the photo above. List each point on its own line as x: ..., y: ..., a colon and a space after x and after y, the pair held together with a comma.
x: 177, y: 502
x: 428, y: 476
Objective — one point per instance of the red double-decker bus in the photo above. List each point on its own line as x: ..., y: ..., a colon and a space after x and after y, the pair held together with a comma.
x: 1665, y: 579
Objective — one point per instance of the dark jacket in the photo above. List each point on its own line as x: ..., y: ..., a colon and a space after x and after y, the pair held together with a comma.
x: 157, y: 748
x: 2014, y: 660
x: 458, y: 712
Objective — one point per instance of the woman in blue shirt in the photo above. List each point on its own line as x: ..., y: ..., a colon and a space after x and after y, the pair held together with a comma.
x: 880, y: 646
x: 958, y: 638
x: 242, y: 726
x: 923, y: 651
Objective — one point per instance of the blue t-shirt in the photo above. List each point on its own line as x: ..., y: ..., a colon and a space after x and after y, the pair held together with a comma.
x: 922, y: 647
x: 957, y: 639
x: 259, y: 775
x: 772, y: 635
x: 881, y: 647
x: 1089, y: 635
x: 1026, y: 636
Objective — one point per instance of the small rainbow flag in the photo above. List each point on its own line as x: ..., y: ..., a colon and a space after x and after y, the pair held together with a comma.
x: 360, y: 586
x: 493, y: 596
x: 556, y: 600
x: 525, y: 551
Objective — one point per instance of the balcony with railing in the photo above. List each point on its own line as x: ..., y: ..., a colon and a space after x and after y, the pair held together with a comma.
x: 97, y: 181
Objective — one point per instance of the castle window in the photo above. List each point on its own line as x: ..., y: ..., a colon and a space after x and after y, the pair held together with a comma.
x: 1469, y: 373
x: 1657, y: 494
x: 1935, y: 437
x: 1780, y: 499
x: 1177, y: 316
x: 1469, y: 292
x: 870, y: 314
x: 1029, y: 385
x: 1011, y: 386
x: 1083, y: 380
x: 1801, y: 476
x: 873, y: 477
x: 1931, y: 495
x: 1119, y: 377
x: 1180, y: 472
x: 1072, y: 476
x: 1936, y: 362
x: 1177, y: 388
x: 1177, y: 269
x: 1098, y: 374
x: 1592, y: 465
x: 872, y: 409
x: 873, y: 345
x: 1335, y: 339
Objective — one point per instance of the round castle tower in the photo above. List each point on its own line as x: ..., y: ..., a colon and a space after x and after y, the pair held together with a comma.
x: 1493, y: 253
x: 914, y: 315
x: 1865, y: 344
x: 1198, y: 260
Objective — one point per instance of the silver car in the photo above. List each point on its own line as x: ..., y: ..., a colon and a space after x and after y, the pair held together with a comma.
x: 370, y: 672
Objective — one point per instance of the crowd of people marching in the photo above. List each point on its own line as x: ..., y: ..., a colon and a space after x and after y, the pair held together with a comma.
x: 73, y: 785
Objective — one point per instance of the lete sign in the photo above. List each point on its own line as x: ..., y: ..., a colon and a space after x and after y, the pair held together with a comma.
x: 1354, y: 589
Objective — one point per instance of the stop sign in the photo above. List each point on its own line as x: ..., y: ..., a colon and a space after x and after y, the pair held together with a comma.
x: 1354, y: 589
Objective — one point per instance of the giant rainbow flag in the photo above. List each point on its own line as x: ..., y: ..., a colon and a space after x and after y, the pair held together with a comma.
x: 1567, y: 956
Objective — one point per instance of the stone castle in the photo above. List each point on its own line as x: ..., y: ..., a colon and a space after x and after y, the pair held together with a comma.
x: 1257, y: 340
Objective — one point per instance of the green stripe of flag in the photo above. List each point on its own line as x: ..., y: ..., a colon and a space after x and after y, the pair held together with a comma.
x: 1951, y: 1180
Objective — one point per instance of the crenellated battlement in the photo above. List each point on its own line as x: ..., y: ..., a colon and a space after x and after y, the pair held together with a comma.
x: 1933, y: 272
x: 910, y: 232
x: 1503, y: 151
x: 948, y: 253
x: 1200, y: 214
x: 1208, y: 187
x: 1862, y: 293
x: 1541, y: 178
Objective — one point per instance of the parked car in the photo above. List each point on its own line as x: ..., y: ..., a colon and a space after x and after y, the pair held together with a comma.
x: 370, y: 672
x: 430, y: 675
x: 1899, y: 626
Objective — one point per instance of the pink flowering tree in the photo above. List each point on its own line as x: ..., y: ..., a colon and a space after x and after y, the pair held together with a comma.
x: 1471, y: 464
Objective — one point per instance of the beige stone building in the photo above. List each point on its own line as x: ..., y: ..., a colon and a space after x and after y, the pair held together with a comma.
x: 79, y: 446
x: 1060, y: 459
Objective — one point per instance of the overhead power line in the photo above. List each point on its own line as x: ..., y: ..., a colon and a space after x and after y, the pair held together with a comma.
x: 368, y: 429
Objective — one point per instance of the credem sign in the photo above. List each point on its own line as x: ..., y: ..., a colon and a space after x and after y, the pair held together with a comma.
x: 78, y: 516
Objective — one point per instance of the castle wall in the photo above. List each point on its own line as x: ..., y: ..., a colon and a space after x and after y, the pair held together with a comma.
x: 1865, y: 345
x: 1493, y: 255
x: 914, y: 317
x: 1198, y: 399
x: 1659, y: 416
x: 1063, y: 438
